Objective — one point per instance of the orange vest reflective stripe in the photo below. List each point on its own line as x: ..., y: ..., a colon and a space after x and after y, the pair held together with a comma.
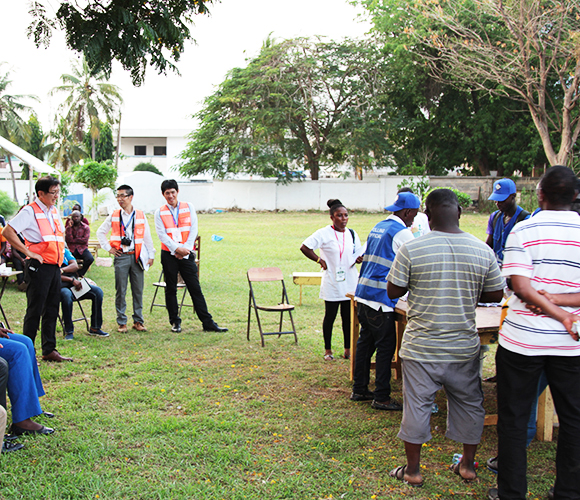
x: 52, y: 245
x: 138, y: 232
x: 178, y: 233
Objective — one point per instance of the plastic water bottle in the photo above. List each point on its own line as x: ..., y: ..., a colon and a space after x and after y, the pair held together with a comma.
x: 434, y: 408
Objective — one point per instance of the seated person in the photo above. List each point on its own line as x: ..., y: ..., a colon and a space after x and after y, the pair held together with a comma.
x: 77, y: 239
x: 69, y: 221
x: 8, y: 445
x: 70, y: 279
x: 24, y: 384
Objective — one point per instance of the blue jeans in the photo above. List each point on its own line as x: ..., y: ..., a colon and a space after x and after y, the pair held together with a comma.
x: 24, y: 384
x: 95, y: 294
x: 378, y: 333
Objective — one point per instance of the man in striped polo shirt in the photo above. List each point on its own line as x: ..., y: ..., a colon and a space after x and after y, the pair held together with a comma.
x: 447, y: 272
x: 541, y: 254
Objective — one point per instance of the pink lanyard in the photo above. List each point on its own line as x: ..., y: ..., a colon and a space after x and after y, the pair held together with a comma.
x: 340, y: 251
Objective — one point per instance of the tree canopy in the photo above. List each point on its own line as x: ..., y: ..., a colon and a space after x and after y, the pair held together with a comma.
x: 136, y: 33
x: 526, y: 50
x: 436, y: 124
x: 299, y: 104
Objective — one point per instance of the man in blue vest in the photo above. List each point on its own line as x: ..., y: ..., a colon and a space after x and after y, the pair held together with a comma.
x: 375, y: 310
x: 502, y: 221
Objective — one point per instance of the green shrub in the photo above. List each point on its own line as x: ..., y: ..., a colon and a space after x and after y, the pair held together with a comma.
x: 7, y: 205
x: 464, y: 199
x: 528, y: 200
x: 147, y: 167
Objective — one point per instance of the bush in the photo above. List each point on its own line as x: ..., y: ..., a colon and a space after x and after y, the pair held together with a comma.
x: 7, y: 205
x: 147, y: 167
x: 464, y: 199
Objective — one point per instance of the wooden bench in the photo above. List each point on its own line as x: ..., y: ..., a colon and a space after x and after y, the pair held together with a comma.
x: 93, y: 247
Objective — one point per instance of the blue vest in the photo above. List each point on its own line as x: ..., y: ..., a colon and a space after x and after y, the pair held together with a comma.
x: 377, y: 262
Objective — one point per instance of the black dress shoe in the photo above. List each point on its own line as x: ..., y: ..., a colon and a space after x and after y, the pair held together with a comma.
x: 176, y: 327
x: 214, y: 328
x: 19, y: 431
x: 367, y: 396
x: 390, y: 405
x: 8, y: 446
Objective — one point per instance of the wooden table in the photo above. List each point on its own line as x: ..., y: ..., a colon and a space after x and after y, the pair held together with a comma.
x: 487, y: 321
x: 4, y: 281
x: 306, y: 279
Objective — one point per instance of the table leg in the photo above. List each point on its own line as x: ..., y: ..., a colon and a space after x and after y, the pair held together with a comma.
x: 545, y: 423
x: 354, y: 331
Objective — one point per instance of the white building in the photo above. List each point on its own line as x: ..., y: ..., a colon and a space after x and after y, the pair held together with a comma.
x: 161, y: 147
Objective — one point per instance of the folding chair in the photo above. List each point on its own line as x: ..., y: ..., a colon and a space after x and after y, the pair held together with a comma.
x: 82, y: 318
x: 269, y: 274
x: 180, y: 284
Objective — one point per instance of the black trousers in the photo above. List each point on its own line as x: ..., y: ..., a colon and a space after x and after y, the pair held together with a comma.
x: 517, y: 385
x: 377, y: 333
x: 3, y: 381
x: 43, y: 297
x: 88, y: 259
x: 188, y: 270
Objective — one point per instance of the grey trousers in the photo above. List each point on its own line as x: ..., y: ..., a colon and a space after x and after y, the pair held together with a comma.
x: 126, y: 268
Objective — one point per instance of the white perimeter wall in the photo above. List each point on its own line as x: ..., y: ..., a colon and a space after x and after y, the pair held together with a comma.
x: 370, y: 195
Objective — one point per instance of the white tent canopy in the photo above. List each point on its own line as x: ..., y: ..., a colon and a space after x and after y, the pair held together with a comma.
x: 35, y: 164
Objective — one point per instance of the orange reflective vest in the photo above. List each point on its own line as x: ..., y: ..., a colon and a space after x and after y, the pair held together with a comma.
x: 178, y: 233
x: 138, y: 232
x: 52, y: 245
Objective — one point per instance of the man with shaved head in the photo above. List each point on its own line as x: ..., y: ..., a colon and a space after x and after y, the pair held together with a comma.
x: 446, y: 272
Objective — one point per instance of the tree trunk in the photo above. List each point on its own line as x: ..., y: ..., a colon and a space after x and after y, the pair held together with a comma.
x: 93, y: 148
x: 13, y: 179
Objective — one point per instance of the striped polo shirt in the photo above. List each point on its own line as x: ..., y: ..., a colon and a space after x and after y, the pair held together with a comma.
x: 546, y: 249
x: 446, y: 274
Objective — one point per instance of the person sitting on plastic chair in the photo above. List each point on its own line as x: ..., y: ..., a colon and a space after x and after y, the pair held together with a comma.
x: 70, y: 280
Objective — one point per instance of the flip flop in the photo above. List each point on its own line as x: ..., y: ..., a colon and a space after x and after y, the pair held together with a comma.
x: 399, y: 474
x: 328, y: 357
x: 455, y: 469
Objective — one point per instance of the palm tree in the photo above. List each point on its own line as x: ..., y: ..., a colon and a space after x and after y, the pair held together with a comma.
x: 65, y: 151
x: 88, y: 95
x: 12, y: 126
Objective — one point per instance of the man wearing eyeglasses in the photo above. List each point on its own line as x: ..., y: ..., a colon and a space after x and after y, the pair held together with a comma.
x: 43, y: 231
x: 132, y: 246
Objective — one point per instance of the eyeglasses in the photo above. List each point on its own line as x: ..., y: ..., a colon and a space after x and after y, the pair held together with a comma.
x: 123, y: 196
x: 54, y: 193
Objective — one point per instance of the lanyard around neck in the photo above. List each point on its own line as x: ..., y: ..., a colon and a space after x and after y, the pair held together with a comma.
x: 340, y: 250
x: 123, y: 226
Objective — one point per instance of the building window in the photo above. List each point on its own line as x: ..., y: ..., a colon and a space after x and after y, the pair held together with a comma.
x: 160, y: 150
x: 140, y: 150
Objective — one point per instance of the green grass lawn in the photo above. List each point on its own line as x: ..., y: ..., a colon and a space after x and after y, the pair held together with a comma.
x: 197, y: 415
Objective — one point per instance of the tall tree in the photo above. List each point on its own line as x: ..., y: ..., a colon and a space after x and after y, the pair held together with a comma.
x: 104, y: 147
x: 89, y: 94
x: 34, y: 145
x: 299, y: 104
x: 525, y: 49
x: 136, y: 33
x: 12, y: 125
x: 440, y: 125
x: 65, y: 151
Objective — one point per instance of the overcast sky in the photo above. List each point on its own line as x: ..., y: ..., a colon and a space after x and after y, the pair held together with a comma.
x: 234, y: 31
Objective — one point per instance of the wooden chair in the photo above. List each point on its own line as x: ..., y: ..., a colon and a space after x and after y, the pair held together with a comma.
x: 180, y: 283
x: 269, y: 274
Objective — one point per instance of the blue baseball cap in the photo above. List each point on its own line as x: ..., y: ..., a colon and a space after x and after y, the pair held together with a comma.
x: 502, y: 189
x: 404, y: 200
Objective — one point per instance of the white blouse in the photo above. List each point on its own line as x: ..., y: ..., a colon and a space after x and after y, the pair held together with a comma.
x: 337, y: 249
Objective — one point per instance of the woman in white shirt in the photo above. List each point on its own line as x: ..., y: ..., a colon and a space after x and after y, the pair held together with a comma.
x: 338, y: 255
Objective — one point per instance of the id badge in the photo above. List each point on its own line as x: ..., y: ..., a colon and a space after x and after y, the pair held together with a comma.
x: 340, y: 274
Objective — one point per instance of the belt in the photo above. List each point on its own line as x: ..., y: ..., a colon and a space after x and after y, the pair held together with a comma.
x: 129, y: 253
